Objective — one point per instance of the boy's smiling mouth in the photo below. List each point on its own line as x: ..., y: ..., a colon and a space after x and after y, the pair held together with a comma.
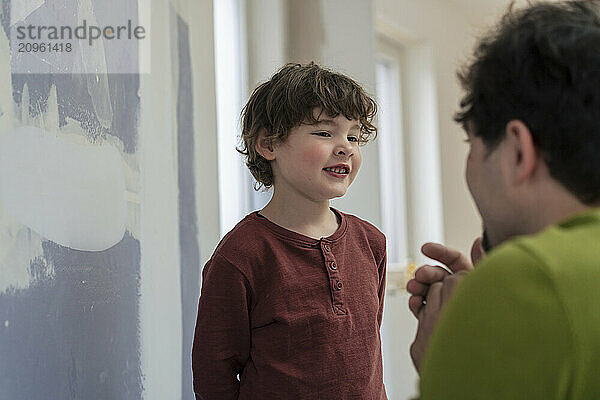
x: 339, y: 171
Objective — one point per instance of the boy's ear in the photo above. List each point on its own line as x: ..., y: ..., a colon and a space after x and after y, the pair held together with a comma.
x: 264, y: 147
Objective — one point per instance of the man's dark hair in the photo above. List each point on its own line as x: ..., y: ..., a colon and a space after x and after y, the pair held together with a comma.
x: 541, y: 65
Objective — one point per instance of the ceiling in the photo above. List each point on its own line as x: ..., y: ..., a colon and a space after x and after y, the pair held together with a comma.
x: 491, y: 5
x: 481, y: 3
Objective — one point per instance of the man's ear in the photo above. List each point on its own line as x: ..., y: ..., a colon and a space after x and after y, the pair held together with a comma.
x: 523, y: 158
x: 264, y: 146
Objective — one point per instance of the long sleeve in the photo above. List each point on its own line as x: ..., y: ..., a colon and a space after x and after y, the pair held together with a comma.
x: 222, y: 337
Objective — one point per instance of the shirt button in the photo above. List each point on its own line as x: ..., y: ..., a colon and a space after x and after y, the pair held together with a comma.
x: 333, y: 266
x: 338, y: 285
x: 326, y: 247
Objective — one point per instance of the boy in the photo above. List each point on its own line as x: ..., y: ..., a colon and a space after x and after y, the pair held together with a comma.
x: 292, y: 298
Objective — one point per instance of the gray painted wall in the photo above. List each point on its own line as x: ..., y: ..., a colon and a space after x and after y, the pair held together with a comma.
x: 70, y: 327
x: 188, y: 227
x: 73, y: 330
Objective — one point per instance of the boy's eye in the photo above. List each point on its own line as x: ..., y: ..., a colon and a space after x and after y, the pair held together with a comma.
x: 353, y: 138
x: 324, y: 134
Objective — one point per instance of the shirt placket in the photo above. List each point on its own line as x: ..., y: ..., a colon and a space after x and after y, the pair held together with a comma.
x: 336, y: 285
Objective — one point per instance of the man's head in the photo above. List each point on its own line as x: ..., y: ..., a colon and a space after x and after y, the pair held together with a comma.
x: 532, y: 112
x: 300, y: 95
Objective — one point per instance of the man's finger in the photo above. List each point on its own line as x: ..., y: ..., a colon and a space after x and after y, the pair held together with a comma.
x: 451, y: 258
x: 450, y: 285
x: 477, y: 251
x: 427, y: 315
x: 415, y: 303
x: 434, y: 297
x: 428, y: 274
x: 416, y: 288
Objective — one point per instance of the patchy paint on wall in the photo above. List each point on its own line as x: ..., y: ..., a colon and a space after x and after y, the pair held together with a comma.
x: 73, y: 333
x: 70, y: 193
x: 188, y: 229
x: 69, y: 319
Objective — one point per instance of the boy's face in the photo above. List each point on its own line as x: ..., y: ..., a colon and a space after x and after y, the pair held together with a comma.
x: 318, y: 162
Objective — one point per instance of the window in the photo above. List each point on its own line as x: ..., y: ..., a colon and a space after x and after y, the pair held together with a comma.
x: 230, y: 92
x: 408, y: 150
x: 391, y: 158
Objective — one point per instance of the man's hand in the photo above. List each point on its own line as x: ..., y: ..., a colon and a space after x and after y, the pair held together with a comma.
x: 427, y: 275
x: 437, y: 296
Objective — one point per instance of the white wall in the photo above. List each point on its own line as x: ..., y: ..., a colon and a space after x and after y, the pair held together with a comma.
x: 267, y: 39
x: 439, y: 27
x: 347, y: 45
x: 280, y: 31
x: 339, y: 35
x: 205, y: 124
x: 442, y: 26
x: 444, y: 32
x: 160, y: 303
x: 449, y: 29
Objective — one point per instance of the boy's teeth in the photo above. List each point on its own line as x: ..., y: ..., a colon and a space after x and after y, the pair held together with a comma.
x: 337, y: 170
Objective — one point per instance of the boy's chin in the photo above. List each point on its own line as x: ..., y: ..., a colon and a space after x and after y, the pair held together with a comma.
x: 333, y: 192
x: 337, y: 195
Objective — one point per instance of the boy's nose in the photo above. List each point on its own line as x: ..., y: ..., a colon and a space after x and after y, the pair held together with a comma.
x: 344, y: 149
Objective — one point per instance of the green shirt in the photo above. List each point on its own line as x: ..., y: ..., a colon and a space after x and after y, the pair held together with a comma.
x: 526, y: 323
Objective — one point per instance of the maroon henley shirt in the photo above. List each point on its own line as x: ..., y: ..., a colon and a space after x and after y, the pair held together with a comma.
x: 285, y: 316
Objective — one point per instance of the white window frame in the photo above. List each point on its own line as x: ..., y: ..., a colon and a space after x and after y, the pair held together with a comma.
x: 392, y: 164
x: 411, y: 201
x: 230, y: 82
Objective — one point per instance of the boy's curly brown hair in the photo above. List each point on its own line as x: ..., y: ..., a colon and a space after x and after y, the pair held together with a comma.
x: 289, y: 99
